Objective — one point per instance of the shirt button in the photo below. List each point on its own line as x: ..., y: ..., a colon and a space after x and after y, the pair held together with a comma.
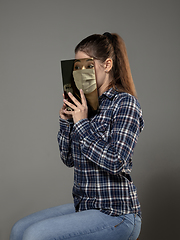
x: 79, y: 184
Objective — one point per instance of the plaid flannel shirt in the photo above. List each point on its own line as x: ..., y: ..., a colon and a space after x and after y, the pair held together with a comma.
x: 100, y: 149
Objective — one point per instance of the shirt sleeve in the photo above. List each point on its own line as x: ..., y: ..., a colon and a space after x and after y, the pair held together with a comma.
x: 113, y: 155
x: 64, y: 142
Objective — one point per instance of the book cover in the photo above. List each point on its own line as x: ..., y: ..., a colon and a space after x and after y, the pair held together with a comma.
x: 80, y: 74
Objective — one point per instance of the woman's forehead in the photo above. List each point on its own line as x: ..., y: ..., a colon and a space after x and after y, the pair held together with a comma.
x: 81, y: 54
x: 83, y: 60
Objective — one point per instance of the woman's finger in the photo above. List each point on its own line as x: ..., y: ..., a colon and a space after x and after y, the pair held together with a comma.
x: 64, y: 106
x: 83, y: 98
x: 70, y: 113
x: 70, y: 104
x: 77, y: 103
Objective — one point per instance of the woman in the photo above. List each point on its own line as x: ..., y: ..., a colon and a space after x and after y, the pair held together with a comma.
x: 100, y: 149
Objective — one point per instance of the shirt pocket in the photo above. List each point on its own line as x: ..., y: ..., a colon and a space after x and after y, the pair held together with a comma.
x: 102, y: 129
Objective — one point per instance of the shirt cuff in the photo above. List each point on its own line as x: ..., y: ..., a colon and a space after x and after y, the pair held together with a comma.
x: 65, y: 125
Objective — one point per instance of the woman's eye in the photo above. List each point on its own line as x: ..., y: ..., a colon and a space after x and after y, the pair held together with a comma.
x: 90, y: 66
x: 76, y: 67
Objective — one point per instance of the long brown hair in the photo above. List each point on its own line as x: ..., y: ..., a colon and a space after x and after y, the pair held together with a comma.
x: 111, y: 46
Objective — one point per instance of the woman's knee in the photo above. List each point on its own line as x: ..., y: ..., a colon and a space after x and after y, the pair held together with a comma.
x: 37, y: 231
x: 17, y: 231
x: 30, y: 234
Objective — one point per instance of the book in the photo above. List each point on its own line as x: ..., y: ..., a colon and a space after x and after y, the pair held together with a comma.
x: 80, y: 74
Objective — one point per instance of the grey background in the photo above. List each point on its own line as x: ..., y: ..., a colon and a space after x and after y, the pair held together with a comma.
x: 34, y: 37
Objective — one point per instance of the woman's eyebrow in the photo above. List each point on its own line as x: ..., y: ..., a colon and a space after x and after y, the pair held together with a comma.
x: 89, y: 59
x: 77, y: 60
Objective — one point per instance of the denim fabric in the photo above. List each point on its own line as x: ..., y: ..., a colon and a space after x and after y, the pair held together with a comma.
x: 63, y: 222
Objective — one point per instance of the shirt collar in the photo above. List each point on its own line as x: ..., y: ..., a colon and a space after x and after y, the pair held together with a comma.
x: 110, y: 93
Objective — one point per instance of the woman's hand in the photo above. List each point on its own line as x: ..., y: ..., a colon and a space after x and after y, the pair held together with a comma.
x: 62, y: 114
x: 80, y: 109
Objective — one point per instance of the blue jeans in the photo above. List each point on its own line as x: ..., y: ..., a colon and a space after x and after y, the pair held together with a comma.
x: 63, y: 222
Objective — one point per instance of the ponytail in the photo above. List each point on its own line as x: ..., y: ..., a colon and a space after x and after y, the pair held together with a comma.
x: 121, y: 72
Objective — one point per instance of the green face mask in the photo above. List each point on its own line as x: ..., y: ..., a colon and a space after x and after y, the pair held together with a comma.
x: 85, y: 79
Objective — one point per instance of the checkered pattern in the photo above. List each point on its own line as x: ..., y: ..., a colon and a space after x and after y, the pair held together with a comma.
x: 100, y: 149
